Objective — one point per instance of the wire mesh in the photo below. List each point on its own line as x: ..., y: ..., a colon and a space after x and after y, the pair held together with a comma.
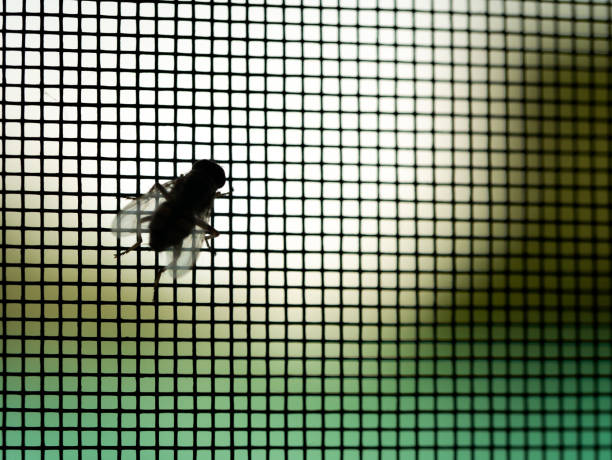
x: 414, y: 261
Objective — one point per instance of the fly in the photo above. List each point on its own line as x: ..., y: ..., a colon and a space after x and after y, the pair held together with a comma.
x: 178, y: 214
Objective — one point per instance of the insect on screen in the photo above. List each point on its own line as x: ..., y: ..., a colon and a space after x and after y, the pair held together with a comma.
x: 414, y: 260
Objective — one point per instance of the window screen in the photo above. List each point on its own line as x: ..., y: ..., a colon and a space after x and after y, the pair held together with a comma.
x: 414, y: 262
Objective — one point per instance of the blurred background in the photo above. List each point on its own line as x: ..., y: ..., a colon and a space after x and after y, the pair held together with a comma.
x: 415, y: 261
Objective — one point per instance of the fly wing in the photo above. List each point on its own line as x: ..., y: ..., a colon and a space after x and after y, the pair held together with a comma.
x: 129, y: 220
x: 187, y: 256
x: 190, y: 250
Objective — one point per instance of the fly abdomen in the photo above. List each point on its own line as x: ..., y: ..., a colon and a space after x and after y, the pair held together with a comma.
x: 169, y: 226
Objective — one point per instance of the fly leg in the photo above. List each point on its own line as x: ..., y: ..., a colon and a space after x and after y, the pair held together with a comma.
x: 155, y: 285
x: 210, y: 232
x: 138, y: 239
x: 223, y: 195
x: 131, y: 248
x: 157, y: 186
x: 161, y: 189
x: 176, y: 252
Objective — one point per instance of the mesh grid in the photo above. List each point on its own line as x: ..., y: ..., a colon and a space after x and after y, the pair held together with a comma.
x: 414, y: 263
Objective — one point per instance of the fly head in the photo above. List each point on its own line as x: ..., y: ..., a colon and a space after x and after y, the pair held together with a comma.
x: 211, y: 171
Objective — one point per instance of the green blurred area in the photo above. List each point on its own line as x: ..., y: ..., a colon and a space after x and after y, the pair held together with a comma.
x: 517, y: 403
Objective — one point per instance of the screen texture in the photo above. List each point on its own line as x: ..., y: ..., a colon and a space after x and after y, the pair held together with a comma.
x: 414, y: 259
